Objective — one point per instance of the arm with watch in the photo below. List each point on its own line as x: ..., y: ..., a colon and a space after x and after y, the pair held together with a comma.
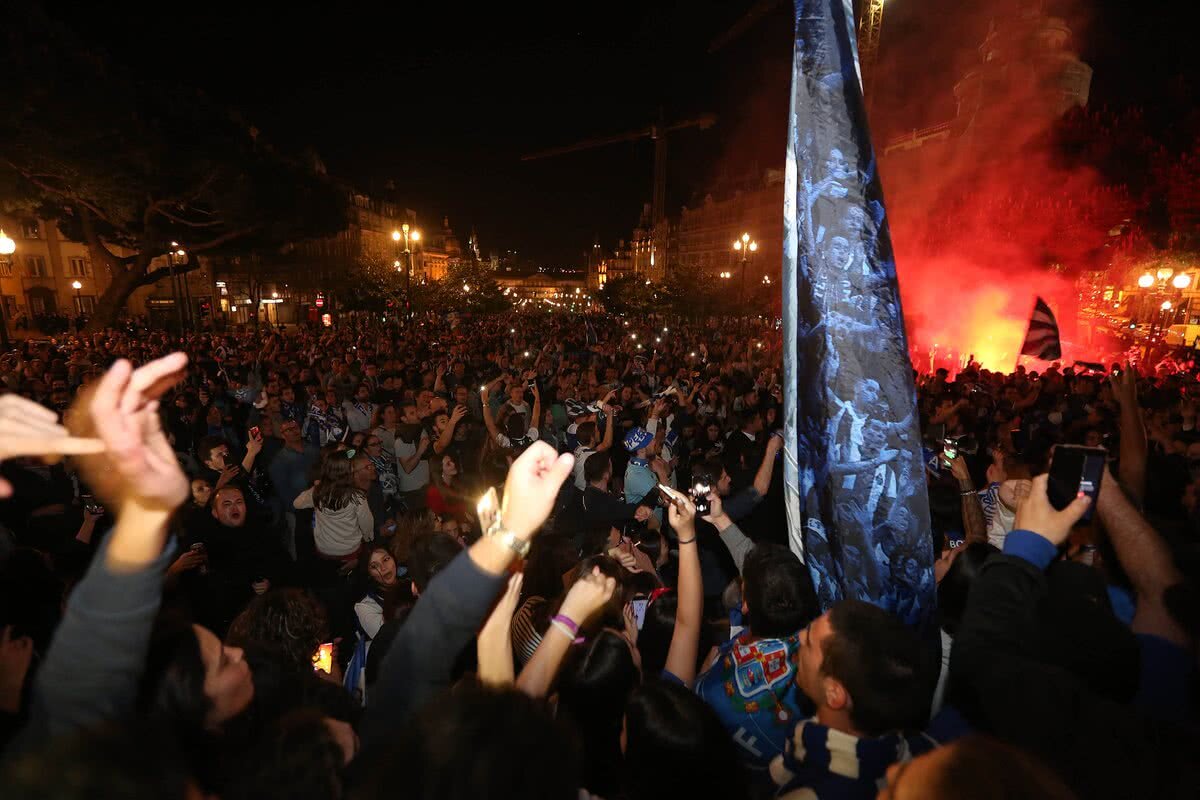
x: 454, y: 606
x: 974, y: 526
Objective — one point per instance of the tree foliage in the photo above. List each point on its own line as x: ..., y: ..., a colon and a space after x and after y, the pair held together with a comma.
x: 128, y: 166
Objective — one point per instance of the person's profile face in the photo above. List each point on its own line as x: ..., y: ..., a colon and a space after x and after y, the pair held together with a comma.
x: 228, y: 684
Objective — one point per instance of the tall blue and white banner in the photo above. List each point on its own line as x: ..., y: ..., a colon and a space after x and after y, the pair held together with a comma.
x: 858, y: 511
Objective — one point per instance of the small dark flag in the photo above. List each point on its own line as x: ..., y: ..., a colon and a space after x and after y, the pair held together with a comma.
x: 592, y: 338
x: 1042, y: 339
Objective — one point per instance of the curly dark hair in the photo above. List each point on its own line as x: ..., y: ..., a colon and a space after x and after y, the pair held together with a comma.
x: 290, y: 619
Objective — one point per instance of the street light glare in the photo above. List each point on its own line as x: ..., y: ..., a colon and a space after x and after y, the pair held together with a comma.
x: 395, y: 236
x: 1146, y: 281
x: 737, y: 245
x: 753, y: 247
x: 7, y: 245
x: 415, y: 236
x: 1166, y: 306
x: 1181, y: 281
x: 745, y: 237
x: 76, y: 285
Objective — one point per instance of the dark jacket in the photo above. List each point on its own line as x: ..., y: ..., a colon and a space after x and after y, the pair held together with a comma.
x: 97, y: 656
x: 419, y: 662
x: 1004, y: 686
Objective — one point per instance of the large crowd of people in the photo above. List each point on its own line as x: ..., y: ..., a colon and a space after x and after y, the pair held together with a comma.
x: 267, y: 563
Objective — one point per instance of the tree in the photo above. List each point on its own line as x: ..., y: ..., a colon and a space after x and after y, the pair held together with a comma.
x: 470, y: 286
x: 129, y: 166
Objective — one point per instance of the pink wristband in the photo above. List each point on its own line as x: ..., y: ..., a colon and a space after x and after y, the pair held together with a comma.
x: 570, y: 623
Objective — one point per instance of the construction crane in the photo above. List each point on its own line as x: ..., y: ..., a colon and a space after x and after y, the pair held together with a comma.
x: 870, y: 24
x: 659, y: 131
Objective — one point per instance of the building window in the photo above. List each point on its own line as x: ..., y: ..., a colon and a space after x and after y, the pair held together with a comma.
x: 35, y: 266
x: 37, y: 304
x: 10, y: 306
x: 78, y: 267
x: 6, y: 268
x: 31, y: 230
x: 85, y: 304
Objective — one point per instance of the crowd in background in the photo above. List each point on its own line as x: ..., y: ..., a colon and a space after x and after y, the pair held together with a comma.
x: 265, y: 570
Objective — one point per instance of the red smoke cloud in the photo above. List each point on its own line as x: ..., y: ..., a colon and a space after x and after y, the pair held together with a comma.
x: 986, y: 217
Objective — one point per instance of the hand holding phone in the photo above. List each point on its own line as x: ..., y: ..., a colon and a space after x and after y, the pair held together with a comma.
x: 1075, y: 470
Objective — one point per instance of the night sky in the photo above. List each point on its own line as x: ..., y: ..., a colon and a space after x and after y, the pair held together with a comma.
x: 443, y: 100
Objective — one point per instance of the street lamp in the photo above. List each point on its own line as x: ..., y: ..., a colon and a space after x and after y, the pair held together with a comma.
x: 1146, y: 281
x: 7, y: 248
x: 745, y: 246
x: 171, y: 254
x: 1182, y: 281
x: 410, y: 237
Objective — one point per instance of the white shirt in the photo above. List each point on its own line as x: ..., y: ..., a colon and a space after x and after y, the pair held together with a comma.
x: 339, y: 532
x: 504, y: 441
x: 358, y: 418
x: 370, y: 616
x: 419, y: 477
x: 581, y: 454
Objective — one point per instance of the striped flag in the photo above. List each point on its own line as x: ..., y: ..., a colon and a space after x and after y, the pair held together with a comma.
x: 1042, y: 339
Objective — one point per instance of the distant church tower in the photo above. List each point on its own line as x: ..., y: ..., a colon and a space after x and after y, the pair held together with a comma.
x: 1027, y: 72
x: 473, y: 244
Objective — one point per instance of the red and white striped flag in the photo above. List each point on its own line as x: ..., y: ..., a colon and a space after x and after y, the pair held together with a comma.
x: 1042, y: 340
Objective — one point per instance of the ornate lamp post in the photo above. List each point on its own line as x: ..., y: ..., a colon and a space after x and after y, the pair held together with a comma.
x: 7, y: 248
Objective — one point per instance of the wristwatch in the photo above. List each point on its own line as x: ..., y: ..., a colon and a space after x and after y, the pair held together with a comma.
x: 510, y: 540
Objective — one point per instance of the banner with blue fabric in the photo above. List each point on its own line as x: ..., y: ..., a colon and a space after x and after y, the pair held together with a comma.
x: 858, y: 511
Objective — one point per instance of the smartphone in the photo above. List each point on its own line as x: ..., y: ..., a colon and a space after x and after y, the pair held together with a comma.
x: 255, y: 433
x: 638, y: 606
x: 699, y: 493
x: 1075, y: 469
x: 323, y: 659
x: 673, y: 495
x: 950, y: 449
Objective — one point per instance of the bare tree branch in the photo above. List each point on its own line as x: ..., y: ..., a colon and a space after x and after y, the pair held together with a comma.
x: 188, y: 223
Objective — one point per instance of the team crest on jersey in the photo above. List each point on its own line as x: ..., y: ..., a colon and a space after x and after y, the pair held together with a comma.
x: 761, y: 666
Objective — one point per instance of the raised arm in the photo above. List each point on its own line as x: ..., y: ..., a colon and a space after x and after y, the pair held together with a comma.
x: 1132, y: 469
x: 452, y: 609
x: 409, y: 463
x: 609, y: 424
x: 1146, y: 560
x: 689, y: 611
x: 110, y: 614
x: 766, y: 470
x: 536, y: 422
x: 738, y: 543
x: 586, y: 596
x: 489, y: 419
x: 447, y: 436
x: 974, y: 529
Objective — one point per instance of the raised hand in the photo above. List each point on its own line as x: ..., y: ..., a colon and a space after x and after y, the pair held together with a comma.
x: 494, y: 644
x: 587, y: 595
x: 681, y: 514
x: 139, y: 464
x: 1035, y: 513
x: 30, y: 429
x: 532, y: 486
